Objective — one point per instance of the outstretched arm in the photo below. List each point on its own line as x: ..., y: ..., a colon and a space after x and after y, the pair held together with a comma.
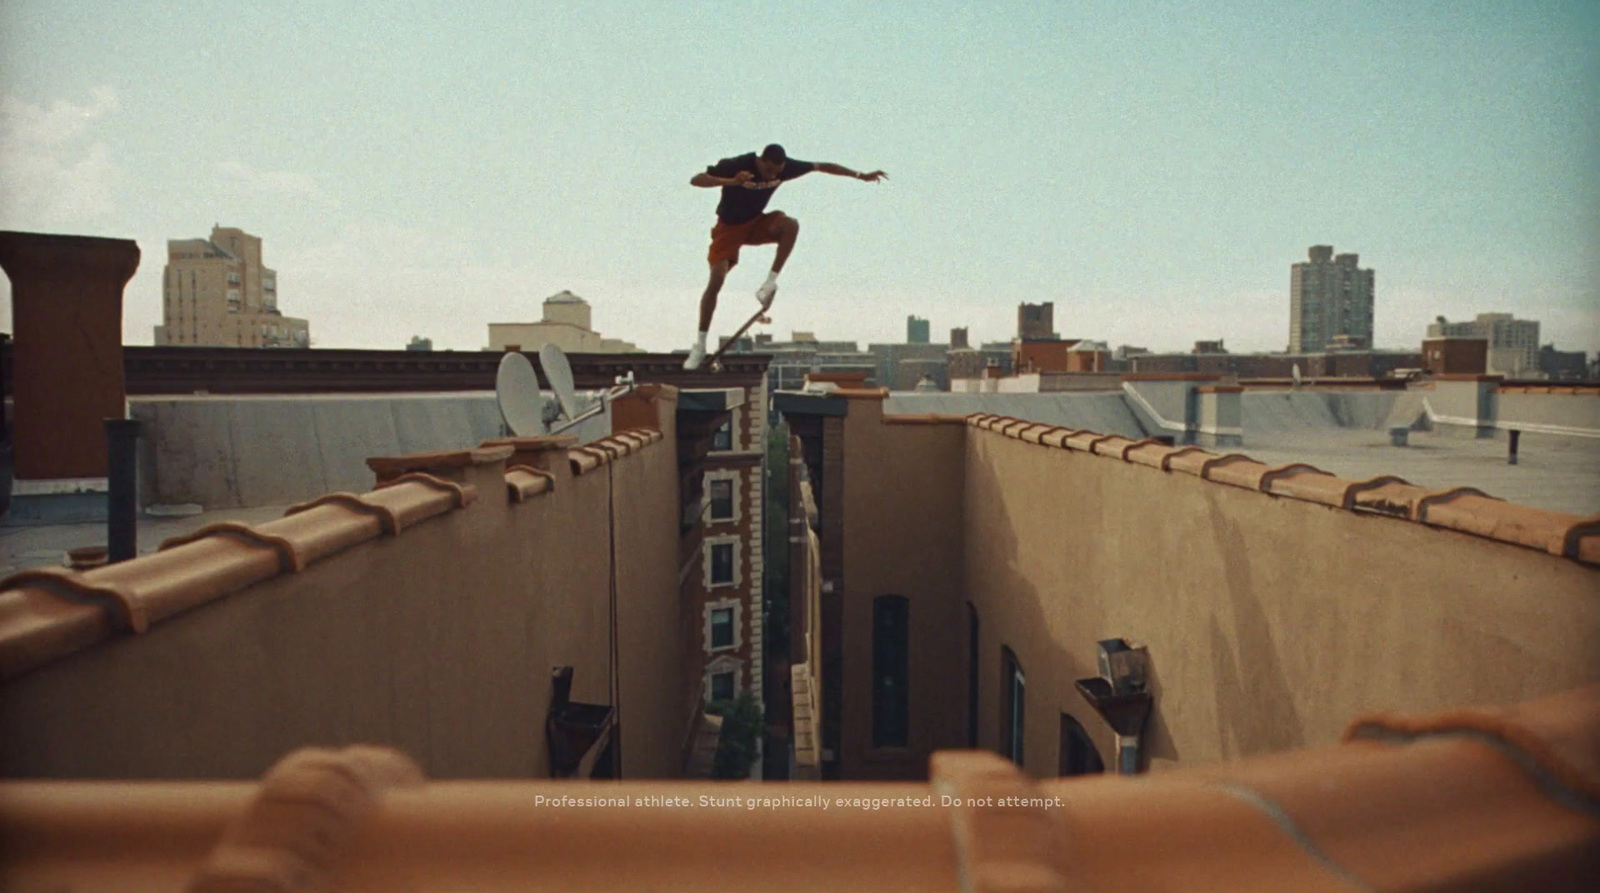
x: 838, y: 170
x: 708, y: 181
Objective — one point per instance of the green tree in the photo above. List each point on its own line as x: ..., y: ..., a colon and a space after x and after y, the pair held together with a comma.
x: 741, y: 731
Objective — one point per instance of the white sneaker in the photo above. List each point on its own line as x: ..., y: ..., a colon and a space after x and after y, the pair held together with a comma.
x: 765, y: 293
x: 697, y: 355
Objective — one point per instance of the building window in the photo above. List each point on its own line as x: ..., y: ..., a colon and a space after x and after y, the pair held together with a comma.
x: 722, y: 564
x: 1078, y: 755
x: 1013, y: 699
x: 890, y: 670
x: 722, y: 686
x: 723, y: 439
x: 720, y: 494
x: 722, y: 628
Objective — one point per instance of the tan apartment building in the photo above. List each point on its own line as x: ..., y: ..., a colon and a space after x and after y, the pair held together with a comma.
x: 216, y: 292
x: 567, y: 323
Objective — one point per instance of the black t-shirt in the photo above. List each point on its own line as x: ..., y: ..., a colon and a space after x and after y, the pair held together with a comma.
x: 744, y: 203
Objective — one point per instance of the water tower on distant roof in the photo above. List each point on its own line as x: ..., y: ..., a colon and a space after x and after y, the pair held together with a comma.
x: 566, y: 307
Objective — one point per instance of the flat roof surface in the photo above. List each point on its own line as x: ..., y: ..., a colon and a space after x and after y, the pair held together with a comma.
x: 1560, y: 474
x: 38, y: 545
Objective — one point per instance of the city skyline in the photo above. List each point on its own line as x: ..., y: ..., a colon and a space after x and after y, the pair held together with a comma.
x: 1153, y: 173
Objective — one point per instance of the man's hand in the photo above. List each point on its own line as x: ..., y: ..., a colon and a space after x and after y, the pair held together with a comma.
x: 741, y: 178
x: 873, y: 177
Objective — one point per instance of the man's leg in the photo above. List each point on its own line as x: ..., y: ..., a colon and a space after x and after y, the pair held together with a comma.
x: 708, y: 301
x: 787, y: 229
x: 708, y: 307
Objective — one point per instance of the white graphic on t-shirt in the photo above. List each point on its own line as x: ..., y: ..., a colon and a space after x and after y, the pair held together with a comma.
x: 761, y: 184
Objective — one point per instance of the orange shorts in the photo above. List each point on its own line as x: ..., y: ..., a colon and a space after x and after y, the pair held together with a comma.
x: 727, y: 239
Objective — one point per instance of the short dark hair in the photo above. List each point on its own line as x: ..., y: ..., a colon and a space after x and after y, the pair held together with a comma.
x: 774, y: 152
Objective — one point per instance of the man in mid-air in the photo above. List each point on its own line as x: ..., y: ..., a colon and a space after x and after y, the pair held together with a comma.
x: 747, y: 183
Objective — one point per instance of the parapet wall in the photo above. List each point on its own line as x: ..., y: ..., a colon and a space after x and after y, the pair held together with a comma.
x: 426, y: 615
x: 234, y: 451
x: 1273, y: 601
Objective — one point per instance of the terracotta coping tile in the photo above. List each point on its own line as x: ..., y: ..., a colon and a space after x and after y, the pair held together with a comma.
x: 1165, y: 832
x: 49, y: 613
x: 525, y: 448
x: 289, y: 558
x: 1151, y: 452
x: 1084, y: 441
x: 1032, y: 433
x: 523, y: 482
x: 304, y: 818
x: 415, y: 497
x: 1290, y: 470
x: 1170, y: 376
x: 1056, y: 437
x: 1385, y: 495
x: 1190, y: 460
x: 1113, y: 445
x: 925, y: 418
x: 1219, y: 389
x: 1559, y: 734
x: 1013, y: 426
x: 1235, y: 469
x: 1582, y: 540
x: 1135, y: 444
x: 1001, y: 847
x: 330, y: 526
x: 1476, y: 513
x: 586, y: 458
x: 186, y: 575
x: 389, y: 467
x: 1446, y: 813
x: 387, y: 522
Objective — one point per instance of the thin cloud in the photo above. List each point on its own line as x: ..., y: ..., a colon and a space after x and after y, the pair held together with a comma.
x: 280, y: 183
x: 51, y: 171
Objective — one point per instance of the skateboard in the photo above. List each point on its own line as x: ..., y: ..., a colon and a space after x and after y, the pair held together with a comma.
x: 714, y: 362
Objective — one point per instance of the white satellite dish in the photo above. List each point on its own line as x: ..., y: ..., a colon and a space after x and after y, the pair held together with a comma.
x: 516, y: 389
x: 558, y: 372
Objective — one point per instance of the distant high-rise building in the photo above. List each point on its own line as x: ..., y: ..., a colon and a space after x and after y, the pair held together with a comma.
x: 1513, y: 343
x: 958, y: 338
x: 217, y: 293
x: 1329, y: 296
x: 1037, y: 322
x: 916, y: 330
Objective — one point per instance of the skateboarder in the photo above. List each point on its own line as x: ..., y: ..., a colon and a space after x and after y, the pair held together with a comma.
x: 747, y: 183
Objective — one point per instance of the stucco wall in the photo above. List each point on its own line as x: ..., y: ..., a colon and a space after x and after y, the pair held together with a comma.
x: 439, y: 641
x: 902, y: 536
x: 1270, y: 622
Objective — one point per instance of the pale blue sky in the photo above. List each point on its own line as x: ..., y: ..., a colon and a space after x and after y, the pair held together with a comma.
x: 1152, y: 168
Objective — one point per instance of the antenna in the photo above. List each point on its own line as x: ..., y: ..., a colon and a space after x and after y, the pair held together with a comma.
x: 558, y: 372
x: 516, y: 389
